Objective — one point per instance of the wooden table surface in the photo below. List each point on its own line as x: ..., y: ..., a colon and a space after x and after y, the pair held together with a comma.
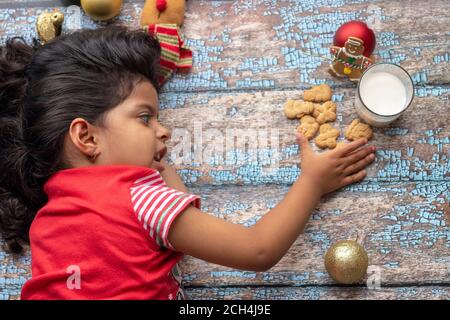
x: 249, y: 57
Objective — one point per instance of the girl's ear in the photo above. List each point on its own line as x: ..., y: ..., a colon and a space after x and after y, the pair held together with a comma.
x: 84, y: 136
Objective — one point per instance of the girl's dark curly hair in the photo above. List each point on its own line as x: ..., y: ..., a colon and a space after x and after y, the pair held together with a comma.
x: 42, y: 89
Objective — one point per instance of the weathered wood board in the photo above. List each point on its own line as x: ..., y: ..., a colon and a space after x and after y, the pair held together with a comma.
x: 249, y: 57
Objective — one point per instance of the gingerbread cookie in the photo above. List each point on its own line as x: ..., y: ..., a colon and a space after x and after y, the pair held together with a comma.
x: 289, y: 109
x: 320, y: 93
x: 350, y: 60
x: 297, y: 109
x: 358, y: 130
x: 327, y: 137
x: 325, y: 112
x: 308, y: 126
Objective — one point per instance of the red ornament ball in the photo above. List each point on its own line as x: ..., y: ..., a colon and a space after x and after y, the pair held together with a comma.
x: 356, y: 29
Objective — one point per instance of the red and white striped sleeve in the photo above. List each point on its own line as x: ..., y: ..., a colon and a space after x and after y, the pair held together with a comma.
x: 156, y: 206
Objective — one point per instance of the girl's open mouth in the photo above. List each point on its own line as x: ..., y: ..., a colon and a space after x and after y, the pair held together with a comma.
x: 157, y: 159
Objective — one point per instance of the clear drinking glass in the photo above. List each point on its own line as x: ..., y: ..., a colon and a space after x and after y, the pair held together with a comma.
x: 385, y: 91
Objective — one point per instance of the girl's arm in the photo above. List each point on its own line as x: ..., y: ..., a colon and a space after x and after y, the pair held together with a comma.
x: 261, y: 246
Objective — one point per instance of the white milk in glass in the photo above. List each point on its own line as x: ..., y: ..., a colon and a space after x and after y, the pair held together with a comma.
x: 384, y: 93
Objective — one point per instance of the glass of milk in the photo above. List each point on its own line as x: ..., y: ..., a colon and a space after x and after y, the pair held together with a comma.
x: 385, y: 91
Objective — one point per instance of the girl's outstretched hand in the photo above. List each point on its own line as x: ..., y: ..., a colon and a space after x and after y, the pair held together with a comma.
x: 334, y: 169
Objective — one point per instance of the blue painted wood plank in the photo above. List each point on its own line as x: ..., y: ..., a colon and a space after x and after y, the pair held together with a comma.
x: 404, y: 227
x: 244, y: 137
x: 319, y: 293
x: 282, y: 44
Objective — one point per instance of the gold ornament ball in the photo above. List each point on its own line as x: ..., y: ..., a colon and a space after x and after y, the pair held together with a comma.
x: 101, y: 9
x: 346, y: 261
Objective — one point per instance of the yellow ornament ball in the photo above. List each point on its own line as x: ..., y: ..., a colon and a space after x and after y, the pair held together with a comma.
x: 346, y: 261
x: 101, y: 9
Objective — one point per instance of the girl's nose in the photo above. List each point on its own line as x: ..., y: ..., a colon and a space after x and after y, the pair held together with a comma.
x: 164, y: 133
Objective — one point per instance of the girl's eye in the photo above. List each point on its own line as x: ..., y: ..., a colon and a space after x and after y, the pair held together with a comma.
x: 145, y: 116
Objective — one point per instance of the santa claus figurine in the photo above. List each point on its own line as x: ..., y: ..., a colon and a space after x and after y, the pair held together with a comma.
x: 163, y: 19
